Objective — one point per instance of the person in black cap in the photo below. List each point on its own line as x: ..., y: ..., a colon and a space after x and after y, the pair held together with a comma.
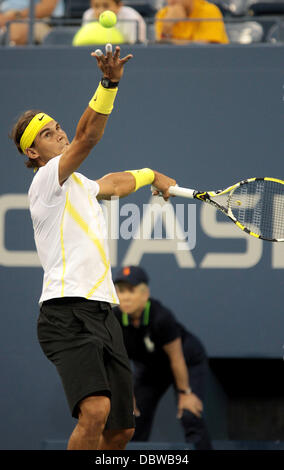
x: 164, y: 353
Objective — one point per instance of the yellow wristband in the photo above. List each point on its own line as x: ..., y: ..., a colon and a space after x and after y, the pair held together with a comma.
x: 142, y: 177
x: 103, y: 99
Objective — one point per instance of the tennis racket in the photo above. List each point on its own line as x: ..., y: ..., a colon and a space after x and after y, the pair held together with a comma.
x: 255, y: 205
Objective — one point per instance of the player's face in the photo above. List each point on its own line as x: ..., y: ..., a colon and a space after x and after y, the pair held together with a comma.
x: 132, y: 298
x: 101, y: 5
x: 50, y: 141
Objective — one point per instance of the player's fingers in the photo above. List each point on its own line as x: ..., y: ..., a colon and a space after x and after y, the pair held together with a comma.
x: 126, y: 59
x: 97, y: 52
x: 99, y: 57
x: 116, y: 54
x: 166, y: 195
x: 108, y: 51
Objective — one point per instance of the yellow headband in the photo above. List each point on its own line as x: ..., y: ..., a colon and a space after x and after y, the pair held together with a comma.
x: 33, y: 128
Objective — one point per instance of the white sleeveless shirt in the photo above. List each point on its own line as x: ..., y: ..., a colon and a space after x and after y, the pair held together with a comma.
x: 70, y: 236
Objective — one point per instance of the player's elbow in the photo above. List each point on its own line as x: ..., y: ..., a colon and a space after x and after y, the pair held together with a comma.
x: 117, y: 190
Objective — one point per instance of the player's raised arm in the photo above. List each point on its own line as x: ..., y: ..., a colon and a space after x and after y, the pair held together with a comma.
x: 91, y: 126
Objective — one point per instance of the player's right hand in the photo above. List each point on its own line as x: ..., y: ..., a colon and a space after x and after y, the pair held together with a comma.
x: 161, y: 184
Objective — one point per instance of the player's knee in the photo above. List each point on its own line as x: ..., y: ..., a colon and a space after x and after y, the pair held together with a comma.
x: 127, y: 435
x: 121, y: 437
x: 94, y: 412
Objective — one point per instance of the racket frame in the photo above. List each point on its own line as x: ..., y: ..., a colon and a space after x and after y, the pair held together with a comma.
x: 206, y: 196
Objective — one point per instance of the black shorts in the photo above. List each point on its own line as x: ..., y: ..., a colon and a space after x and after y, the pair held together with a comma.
x: 83, y: 339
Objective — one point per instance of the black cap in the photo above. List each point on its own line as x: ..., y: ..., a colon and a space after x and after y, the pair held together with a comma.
x: 132, y: 274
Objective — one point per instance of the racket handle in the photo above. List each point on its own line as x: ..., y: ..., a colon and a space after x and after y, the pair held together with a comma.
x: 178, y: 191
x: 182, y: 192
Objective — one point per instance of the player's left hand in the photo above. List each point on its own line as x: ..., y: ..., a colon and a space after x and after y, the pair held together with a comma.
x: 191, y: 403
x: 111, y: 65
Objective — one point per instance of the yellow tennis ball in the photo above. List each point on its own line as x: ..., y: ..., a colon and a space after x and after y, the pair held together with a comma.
x: 107, y: 19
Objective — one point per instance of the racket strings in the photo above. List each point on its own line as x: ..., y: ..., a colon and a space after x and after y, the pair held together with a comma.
x: 259, y: 206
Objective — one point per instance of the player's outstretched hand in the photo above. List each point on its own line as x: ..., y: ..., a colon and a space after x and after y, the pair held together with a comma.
x: 111, y: 64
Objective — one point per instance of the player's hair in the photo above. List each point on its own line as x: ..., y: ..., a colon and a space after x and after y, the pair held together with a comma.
x: 18, y: 130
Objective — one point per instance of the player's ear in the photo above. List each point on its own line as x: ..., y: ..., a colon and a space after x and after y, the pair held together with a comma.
x: 31, y: 153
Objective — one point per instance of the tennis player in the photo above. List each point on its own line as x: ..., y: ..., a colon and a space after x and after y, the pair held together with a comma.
x: 77, y: 328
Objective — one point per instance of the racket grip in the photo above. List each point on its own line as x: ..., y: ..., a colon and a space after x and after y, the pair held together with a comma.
x: 178, y: 191
x: 182, y: 192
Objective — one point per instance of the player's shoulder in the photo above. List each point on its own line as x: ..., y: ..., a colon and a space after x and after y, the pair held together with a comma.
x: 207, y: 9
x: 41, y: 173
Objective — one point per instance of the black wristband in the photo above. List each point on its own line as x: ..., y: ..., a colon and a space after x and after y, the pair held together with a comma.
x: 107, y: 83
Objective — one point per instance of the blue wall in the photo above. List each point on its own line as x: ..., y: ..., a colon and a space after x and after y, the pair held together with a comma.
x: 207, y: 116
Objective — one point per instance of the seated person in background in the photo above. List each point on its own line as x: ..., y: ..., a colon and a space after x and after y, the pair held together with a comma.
x: 180, y: 32
x: 12, y: 10
x: 127, y: 28
x: 164, y: 353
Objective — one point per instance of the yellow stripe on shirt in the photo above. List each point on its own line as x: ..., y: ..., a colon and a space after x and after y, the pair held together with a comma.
x: 98, y: 283
x: 85, y: 227
x: 79, y: 182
